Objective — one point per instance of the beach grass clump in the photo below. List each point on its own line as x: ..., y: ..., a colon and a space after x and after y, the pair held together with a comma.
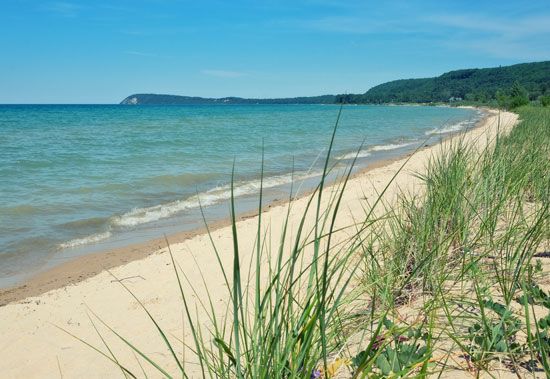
x: 472, y: 240
x: 449, y: 278
x: 285, y: 314
x: 463, y: 251
x: 285, y: 321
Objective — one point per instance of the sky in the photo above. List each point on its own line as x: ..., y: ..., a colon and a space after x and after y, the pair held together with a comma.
x: 102, y: 51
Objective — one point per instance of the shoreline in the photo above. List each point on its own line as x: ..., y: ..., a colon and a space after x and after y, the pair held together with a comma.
x: 86, y: 266
x: 81, y: 268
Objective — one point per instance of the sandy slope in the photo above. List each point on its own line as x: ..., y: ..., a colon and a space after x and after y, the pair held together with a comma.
x: 32, y: 346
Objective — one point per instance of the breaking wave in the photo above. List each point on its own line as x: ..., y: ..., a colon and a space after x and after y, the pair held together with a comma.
x: 450, y: 128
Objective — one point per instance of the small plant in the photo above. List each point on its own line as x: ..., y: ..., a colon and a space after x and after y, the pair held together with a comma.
x: 534, y: 295
x: 491, y: 338
x: 395, y: 352
x: 542, y: 339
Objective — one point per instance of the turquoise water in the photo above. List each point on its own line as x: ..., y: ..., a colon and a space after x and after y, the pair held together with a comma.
x: 78, y: 176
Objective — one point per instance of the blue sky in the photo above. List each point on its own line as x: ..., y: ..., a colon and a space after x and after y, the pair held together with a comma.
x: 101, y: 51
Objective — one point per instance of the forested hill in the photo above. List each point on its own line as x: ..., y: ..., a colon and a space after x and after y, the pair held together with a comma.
x: 471, y: 84
x: 153, y: 99
x: 530, y: 81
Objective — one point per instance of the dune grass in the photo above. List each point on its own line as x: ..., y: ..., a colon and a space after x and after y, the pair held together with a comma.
x: 448, y: 279
x: 466, y: 249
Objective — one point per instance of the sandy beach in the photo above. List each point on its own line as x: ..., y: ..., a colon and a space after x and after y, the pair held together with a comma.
x: 33, y: 346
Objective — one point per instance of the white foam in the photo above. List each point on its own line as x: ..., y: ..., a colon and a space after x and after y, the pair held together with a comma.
x: 449, y: 128
x: 362, y: 154
x: 390, y: 146
x: 85, y: 241
x: 213, y: 196
x: 368, y: 152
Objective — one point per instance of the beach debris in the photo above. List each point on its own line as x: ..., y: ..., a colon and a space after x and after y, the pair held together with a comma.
x: 128, y: 277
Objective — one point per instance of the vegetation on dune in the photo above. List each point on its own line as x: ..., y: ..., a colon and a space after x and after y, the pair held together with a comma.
x: 451, y: 279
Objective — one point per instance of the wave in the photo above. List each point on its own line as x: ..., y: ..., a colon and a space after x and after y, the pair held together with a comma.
x: 213, y: 196
x: 391, y: 146
x: 362, y: 154
x: 450, y: 128
x: 368, y: 152
x: 85, y: 241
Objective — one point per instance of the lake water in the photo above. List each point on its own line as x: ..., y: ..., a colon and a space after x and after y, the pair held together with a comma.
x: 78, y: 178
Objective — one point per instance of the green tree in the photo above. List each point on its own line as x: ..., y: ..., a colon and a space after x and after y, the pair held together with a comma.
x: 502, y: 100
x: 518, y: 96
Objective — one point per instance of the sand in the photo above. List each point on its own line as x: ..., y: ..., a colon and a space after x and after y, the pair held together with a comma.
x: 33, y: 346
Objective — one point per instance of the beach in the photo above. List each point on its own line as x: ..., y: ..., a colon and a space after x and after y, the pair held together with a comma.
x: 34, y: 346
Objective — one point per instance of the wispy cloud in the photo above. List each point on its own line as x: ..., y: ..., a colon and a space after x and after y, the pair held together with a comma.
x: 139, y: 53
x: 223, y: 73
x: 159, y: 31
x: 519, y: 37
x: 62, y: 8
x: 345, y: 24
x: 504, y: 48
x: 515, y: 37
x: 517, y: 27
x: 342, y: 24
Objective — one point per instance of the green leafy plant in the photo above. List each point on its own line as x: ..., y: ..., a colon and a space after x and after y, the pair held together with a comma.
x: 395, y: 352
x: 534, y: 295
x: 490, y: 338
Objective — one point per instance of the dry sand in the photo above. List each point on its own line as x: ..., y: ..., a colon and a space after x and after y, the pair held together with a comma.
x: 32, y: 345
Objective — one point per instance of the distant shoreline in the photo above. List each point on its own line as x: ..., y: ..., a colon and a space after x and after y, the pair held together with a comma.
x: 482, y: 86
